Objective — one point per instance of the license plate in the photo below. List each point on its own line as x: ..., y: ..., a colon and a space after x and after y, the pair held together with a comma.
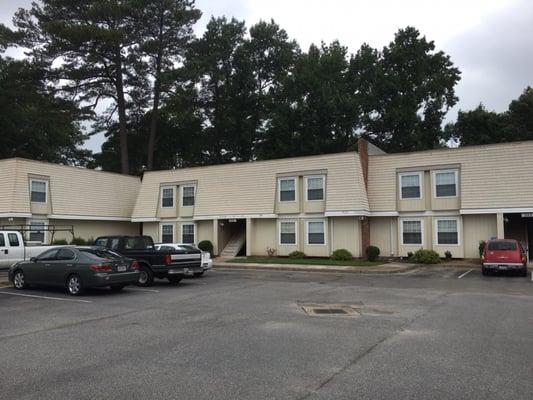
x: 121, y: 268
x: 188, y: 272
x: 502, y: 267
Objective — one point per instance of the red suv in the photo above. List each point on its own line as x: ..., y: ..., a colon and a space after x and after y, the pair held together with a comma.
x: 504, y: 255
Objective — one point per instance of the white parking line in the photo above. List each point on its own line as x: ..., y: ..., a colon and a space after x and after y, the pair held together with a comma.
x: 144, y: 290
x: 466, y: 273
x: 45, y: 297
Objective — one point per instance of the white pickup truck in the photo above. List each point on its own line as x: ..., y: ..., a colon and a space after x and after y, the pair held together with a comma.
x: 13, y: 249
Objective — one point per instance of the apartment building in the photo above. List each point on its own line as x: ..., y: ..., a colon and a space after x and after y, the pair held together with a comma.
x: 445, y: 199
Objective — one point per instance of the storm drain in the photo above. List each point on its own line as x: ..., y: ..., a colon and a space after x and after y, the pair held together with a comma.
x: 328, y: 310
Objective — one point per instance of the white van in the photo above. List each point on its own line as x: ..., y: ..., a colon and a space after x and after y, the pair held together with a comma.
x: 13, y: 249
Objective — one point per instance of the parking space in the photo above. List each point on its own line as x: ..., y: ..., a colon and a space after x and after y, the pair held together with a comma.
x: 250, y: 335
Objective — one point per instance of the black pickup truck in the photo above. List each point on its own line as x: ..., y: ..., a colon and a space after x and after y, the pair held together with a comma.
x: 170, y: 264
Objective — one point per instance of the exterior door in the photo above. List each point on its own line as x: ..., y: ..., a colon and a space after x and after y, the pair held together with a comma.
x: 530, y: 238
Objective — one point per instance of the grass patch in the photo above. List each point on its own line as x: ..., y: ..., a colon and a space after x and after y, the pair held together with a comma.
x: 305, y: 261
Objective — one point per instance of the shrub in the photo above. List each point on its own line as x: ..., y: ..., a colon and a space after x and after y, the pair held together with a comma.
x: 426, y: 257
x: 341, y: 255
x: 90, y: 241
x: 206, y: 245
x: 372, y: 253
x: 60, y: 242
x: 271, y: 251
x: 78, y: 241
x: 448, y: 255
x: 296, y: 255
x: 410, y: 254
x: 481, y: 247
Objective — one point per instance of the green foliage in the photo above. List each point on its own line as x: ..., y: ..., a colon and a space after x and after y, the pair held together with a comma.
x: 206, y: 245
x: 372, y: 253
x: 35, y: 123
x: 410, y: 254
x: 423, y: 256
x: 296, y: 255
x: 78, y: 241
x: 60, y: 242
x: 341, y: 255
x: 448, y: 255
x: 481, y: 247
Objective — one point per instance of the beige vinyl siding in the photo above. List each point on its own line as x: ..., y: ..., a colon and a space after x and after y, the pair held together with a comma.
x: 93, y: 229
x: 152, y: 229
x: 346, y: 234
x: 384, y: 235
x: 204, y: 230
x: 251, y: 188
x: 263, y: 236
x: 72, y: 191
x: 488, y: 174
x: 476, y: 228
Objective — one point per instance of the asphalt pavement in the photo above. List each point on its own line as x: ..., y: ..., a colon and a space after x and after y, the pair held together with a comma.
x: 440, y: 333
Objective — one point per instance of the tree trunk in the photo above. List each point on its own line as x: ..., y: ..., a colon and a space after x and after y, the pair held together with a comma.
x: 153, y: 125
x: 122, y: 123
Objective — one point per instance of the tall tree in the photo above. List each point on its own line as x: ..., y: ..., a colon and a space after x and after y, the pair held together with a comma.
x: 520, y: 116
x: 34, y: 123
x: 412, y: 89
x: 94, y: 40
x: 165, y: 29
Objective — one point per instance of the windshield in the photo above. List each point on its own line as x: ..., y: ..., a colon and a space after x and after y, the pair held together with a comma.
x: 97, y: 254
x: 502, y: 245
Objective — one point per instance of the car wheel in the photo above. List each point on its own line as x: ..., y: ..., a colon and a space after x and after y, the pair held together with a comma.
x: 117, y: 288
x: 523, y: 272
x: 198, y: 274
x: 174, y: 280
x: 74, y: 286
x: 19, y: 280
x: 146, y: 277
x: 484, y: 271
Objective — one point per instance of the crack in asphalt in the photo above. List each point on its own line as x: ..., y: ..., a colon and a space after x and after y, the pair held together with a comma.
x: 360, y: 356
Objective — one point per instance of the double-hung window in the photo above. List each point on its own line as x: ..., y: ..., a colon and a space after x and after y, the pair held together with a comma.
x: 187, y: 233
x: 38, y: 189
x: 412, y: 232
x: 411, y: 185
x: 36, y: 232
x: 315, y: 187
x: 287, y: 189
x: 287, y: 232
x: 447, y: 232
x: 167, y: 233
x: 316, y: 232
x: 187, y: 196
x: 445, y: 183
x: 167, y: 197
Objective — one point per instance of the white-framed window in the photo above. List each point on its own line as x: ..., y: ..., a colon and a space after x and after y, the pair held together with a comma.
x: 187, y: 195
x: 412, y: 232
x: 447, y: 231
x: 37, y: 231
x: 188, y: 233
x: 167, y: 196
x: 410, y: 185
x: 287, y: 233
x: 167, y: 233
x: 38, y: 190
x: 314, y: 188
x: 445, y: 183
x: 316, y: 232
x: 287, y: 189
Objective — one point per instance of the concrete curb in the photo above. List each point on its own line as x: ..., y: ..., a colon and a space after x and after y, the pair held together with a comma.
x: 378, y: 270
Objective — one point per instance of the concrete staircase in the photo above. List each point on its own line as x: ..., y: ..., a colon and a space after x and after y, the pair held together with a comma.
x: 234, y: 245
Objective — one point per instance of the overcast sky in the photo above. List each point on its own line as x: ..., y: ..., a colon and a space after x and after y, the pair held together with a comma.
x: 490, y: 41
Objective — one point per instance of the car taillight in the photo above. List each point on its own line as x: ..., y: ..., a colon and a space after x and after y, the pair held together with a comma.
x: 101, y: 268
x: 524, y: 259
x: 135, y: 265
x: 168, y: 259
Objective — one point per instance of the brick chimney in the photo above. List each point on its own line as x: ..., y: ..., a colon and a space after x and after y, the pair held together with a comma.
x: 362, y: 149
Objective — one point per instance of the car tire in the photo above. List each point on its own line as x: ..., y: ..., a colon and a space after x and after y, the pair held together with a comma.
x: 116, y: 288
x: 74, y: 286
x: 19, y: 280
x: 146, y: 277
x: 174, y: 280
x: 198, y: 274
x: 484, y: 271
x: 523, y: 272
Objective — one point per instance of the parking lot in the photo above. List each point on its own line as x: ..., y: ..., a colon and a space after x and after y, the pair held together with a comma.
x: 433, y: 333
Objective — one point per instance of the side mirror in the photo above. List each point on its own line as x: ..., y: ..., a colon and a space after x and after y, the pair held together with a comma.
x: 33, y: 259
